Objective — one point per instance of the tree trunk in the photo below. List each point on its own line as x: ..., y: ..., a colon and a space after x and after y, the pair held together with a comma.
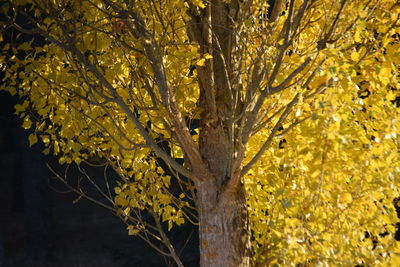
x: 224, y: 228
x: 224, y: 224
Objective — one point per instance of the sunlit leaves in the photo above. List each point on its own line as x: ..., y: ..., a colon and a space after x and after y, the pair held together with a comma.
x: 320, y: 188
x: 347, y: 181
x: 148, y: 189
x: 322, y: 194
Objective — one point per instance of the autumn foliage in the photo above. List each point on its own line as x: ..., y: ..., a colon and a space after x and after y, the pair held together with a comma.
x: 304, y: 102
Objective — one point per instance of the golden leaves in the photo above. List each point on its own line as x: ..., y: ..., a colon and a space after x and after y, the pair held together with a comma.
x: 202, y: 61
x: 148, y: 187
x: 355, y: 56
x: 329, y: 174
x: 32, y: 139
x: 199, y: 3
x: 27, y: 123
x: 327, y: 178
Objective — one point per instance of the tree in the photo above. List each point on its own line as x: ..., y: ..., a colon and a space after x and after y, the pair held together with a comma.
x: 295, y: 159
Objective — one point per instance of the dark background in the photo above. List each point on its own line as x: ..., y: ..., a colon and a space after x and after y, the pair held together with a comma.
x: 39, y: 223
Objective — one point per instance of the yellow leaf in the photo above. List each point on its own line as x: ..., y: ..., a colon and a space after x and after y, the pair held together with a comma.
x: 24, y: 46
x: 179, y: 221
x: 76, y: 147
x: 208, y: 56
x: 355, y: 56
x: 117, y: 190
x: 132, y: 230
x: 127, y: 210
x: 391, y: 95
x: 32, y: 139
x: 121, y: 201
x: 357, y: 37
x: 45, y: 139
x: 347, y: 198
x: 12, y: 90
x: 201, y: 62
x: 385, y: 72
x: 123, y: 93
x: 199, y: 3
x: 18, y: 108
x: 27, y: 123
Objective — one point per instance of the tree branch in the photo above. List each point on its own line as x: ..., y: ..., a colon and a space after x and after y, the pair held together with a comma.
x: 271, y: 136
x: 131, y: 115
x: 154, y: 56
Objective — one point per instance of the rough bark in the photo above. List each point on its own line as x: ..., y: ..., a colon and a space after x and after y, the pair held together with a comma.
x: 223, y: 218
x: 224, y: 228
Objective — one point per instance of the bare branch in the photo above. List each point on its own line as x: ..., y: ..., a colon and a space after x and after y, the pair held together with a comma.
x: 153, y: 54
x: 271, y: 136
x: 276, y: 10
x: 289, y: 78
x: 336, y: 20
x: 166, y: 241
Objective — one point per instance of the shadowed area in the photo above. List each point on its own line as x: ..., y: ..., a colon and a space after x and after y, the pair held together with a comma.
x: 42, y: 224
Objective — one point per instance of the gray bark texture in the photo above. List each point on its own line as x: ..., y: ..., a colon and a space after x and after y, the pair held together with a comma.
x: 223, y: 218
x: 224, y: 229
